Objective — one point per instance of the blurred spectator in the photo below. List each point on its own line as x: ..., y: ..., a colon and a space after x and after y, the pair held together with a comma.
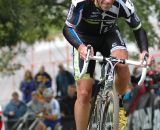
x: 14, y: 110
x: 152, y: 78
x: 152, y: 81
x: 52, y: 115
x: 1, y: 121
x: 27, y: 86
x: 143, y: 98
x: 35, y: 108
x: 67, y: 109
x: 158, y: 67
x: 42, y: 77
x: 153, y: 65
x: 135, y: 77
x: 63, y: 79
x: 39, y: 91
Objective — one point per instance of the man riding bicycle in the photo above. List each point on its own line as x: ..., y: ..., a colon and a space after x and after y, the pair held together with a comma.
x: 94, y: 22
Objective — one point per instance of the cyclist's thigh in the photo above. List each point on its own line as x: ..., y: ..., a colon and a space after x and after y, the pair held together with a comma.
x: 120, y: 53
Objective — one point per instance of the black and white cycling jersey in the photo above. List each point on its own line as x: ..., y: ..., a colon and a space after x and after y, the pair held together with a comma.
x: 85, y: 18
x: 86, y: 14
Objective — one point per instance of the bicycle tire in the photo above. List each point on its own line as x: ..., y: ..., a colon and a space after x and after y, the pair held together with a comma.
x: 110, y: 111
x: 94, y: 118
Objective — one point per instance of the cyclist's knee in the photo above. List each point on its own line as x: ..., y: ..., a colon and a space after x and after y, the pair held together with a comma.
x: 84, y: 97
x: 84, y: 90
x: 120, y: 53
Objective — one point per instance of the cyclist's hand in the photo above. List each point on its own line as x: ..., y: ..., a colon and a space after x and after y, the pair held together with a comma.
x: 150, y: 58
x: 82, y: 49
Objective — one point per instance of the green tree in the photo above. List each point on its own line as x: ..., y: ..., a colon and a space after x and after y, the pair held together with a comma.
x: 29, y: 20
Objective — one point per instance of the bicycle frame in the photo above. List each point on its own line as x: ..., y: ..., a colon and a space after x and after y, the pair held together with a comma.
x: 107, y: 80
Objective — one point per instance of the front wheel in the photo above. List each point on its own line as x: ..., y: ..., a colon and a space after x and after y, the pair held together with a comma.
x: 110, y: 111
x: 94, y: 118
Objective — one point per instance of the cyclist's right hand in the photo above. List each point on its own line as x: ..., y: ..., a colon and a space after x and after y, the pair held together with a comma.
x: 82, y: 49
x: 150, y: 57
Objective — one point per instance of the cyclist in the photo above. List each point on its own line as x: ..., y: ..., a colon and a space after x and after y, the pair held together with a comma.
x: 94, y: 22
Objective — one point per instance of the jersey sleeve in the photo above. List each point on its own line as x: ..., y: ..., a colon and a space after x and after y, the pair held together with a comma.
x: 134, y: 22
x: 128, y: 12
x: 73, y: 19
x: 74, y: 14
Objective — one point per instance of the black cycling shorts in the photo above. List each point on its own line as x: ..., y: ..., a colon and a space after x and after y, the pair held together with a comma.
x: 104, y: 44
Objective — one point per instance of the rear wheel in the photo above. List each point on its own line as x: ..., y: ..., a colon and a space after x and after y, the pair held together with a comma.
x: 110, y: 111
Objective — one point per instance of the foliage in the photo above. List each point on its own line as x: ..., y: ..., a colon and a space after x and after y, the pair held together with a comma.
x: 7, y: 56
x: 29, y: 20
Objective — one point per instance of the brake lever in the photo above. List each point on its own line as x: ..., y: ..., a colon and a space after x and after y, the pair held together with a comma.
x: 86, y: 61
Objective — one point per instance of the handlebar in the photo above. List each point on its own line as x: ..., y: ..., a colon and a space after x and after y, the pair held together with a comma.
x: 122, y: 61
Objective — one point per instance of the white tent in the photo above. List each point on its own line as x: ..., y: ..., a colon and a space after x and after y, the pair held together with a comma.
x: 49, y: 54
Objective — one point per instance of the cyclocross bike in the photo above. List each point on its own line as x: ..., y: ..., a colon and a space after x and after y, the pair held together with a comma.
x: 104, y: 113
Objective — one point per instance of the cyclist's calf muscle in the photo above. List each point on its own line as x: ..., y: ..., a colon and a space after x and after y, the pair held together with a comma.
x: 82, y: 105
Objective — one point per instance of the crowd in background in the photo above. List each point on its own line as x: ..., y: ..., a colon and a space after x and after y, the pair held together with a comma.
x: 40, y: 107
x: 152, y: 80
x: 142, y: 103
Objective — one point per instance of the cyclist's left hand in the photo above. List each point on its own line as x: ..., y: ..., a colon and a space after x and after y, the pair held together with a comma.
x: 150, y: 58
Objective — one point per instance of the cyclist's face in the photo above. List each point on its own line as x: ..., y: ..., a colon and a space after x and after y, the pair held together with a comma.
x: 105, y: 4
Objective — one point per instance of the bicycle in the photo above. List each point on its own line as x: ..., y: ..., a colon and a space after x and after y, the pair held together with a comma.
x: 27, y: 122
x: 104, y: 113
